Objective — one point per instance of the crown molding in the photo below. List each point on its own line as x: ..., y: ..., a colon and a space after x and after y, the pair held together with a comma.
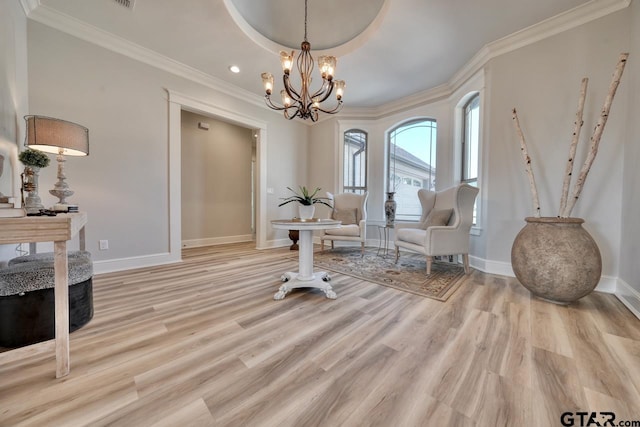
x: 29, y: 6
x: 565, y: 21
x: 197, y: 105
x: 349, y: 113
x: 428, y: 96
x: 434, y: 94
x: 557, y: 24
x: 549, y: 27
x: 74, y: 27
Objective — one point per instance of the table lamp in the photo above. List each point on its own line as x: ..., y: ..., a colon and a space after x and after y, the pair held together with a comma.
x: 63, y: 138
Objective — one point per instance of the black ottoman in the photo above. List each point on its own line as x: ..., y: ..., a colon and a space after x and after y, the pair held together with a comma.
x: 27, y: 310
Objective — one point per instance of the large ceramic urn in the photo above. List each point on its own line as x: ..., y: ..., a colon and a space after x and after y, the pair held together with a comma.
x: 556, y: 259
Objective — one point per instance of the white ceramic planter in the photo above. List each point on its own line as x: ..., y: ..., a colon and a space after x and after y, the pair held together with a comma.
x: 306, y: 211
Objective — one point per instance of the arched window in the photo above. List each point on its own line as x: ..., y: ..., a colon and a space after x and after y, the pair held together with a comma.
x: 411, y: 165
x: 471, y: 144
x: 355, y: 161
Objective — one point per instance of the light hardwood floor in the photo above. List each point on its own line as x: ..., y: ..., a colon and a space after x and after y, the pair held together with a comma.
x: 204, y: 343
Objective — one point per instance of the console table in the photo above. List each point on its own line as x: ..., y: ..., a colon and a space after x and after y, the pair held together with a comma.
x: 57, y: 229
x: 305, y: 278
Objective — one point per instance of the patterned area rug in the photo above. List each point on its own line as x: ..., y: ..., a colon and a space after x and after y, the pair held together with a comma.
x: 408, y: 275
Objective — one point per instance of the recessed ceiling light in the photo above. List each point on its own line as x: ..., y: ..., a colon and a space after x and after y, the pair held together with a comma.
x: 234, y: 69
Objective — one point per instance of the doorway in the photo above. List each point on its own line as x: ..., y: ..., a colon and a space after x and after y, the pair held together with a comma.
x: 179, y: 102
x: 217, y: 188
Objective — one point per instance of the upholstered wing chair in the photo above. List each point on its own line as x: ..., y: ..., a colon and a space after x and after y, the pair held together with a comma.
x: 351, y: 209
x: 444, y: 227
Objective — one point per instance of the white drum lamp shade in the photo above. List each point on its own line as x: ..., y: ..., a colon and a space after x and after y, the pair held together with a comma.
x: 62, y: 138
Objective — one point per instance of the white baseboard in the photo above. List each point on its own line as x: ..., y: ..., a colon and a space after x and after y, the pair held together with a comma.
x: 121, y: 264
x: 628, y: 296
x: 278, y: 243
x: 607, y: 284
x: 211, y: 241
x: 112, y: 265
x: 491, y: 267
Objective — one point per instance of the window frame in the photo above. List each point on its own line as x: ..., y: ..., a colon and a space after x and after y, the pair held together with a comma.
x: 470, y: 104
x: 466, y: 108
x: 358, y: 189
x: 388, y: 144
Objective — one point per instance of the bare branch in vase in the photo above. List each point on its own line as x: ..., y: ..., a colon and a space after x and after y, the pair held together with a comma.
x: 597, y: 134
x: 527, y: 163
x: 577, y: 126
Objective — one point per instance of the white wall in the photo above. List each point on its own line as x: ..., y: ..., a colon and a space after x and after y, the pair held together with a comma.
x: 124, y: 183
x: 322, y: 162
x: 542, y: 81
x: 216, y: 181
x: 326, y: 145
x: 457, y: 101
x: 629, y: 283
x: 13, y: 99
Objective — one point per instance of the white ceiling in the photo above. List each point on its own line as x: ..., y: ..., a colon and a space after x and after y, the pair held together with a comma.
x: 411, y: 45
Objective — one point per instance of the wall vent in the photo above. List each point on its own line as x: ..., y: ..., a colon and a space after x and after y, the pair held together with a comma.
x: 126, y: 3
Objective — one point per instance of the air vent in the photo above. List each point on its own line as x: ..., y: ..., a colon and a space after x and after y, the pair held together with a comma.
x: 126, y: 3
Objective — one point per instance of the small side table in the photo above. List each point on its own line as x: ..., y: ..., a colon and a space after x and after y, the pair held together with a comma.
x: 305, y: 277
x: 383, y: 236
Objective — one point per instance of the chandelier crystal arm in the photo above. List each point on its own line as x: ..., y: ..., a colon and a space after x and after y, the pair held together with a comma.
x: 290, y: 90
x: 321, y: 91
x: 337, y: 108
x: 285, y: 109
x: 327, y: 89
x: 288, y: 117
x: 273, y: 106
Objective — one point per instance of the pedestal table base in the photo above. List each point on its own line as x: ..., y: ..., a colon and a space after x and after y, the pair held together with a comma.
x: 305, y: 277
x: 319, y: 280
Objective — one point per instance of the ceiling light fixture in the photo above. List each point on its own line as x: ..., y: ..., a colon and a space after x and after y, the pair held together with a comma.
x: 234, y: 69
x: 303, y: 103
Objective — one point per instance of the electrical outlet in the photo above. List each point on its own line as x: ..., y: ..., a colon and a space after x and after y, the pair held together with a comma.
x: 104, y: 245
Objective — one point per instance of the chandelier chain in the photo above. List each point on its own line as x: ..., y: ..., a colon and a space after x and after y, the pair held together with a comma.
x: 305, y: 20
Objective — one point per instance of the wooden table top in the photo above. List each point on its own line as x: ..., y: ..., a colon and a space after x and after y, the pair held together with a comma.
x: 27, y: 229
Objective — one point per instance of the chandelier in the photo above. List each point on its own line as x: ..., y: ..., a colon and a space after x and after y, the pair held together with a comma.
x: 303, y: 103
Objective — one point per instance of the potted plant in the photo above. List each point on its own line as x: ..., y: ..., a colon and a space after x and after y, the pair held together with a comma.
x: 554, y: 257
x: 306, y: 200
x: 32, y: 160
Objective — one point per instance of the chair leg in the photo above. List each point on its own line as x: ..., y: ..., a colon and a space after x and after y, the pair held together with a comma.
x: 321, y: 245
x: 397, y: 253
x: 465, y: 261
x: 429, y: 262
x: 362, y: 249
x: 332, y: 245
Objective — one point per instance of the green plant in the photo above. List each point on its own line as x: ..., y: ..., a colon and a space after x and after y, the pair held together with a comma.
x: 304, y: 198
x: 31, y: 157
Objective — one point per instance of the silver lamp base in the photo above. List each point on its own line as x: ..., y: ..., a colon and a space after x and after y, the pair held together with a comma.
x: 61, y: 188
